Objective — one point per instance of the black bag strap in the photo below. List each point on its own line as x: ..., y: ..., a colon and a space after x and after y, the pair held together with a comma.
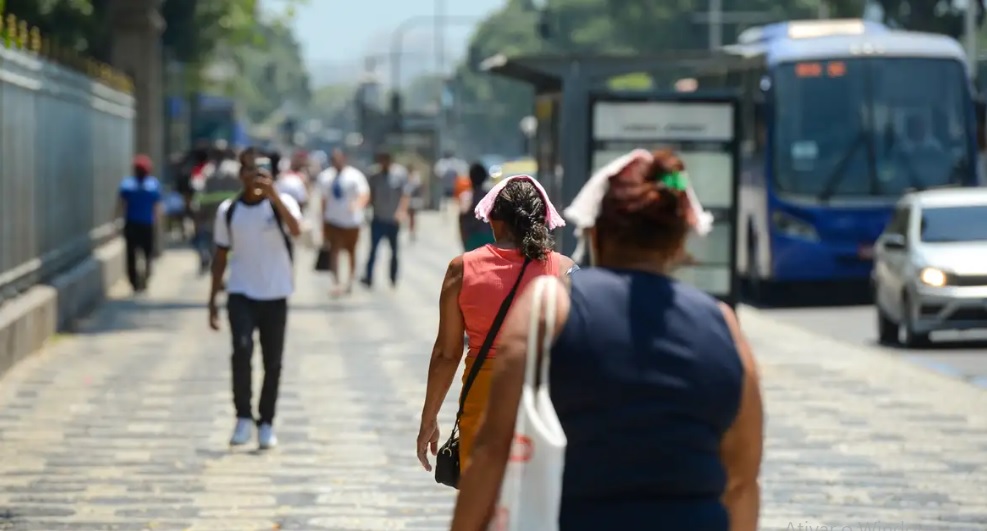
x: 229, y: 218
x: 481, y: 356
x: 277, y: 218
x: 284, y: 234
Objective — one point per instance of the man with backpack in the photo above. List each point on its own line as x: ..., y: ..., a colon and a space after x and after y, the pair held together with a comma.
x: 253, y: 234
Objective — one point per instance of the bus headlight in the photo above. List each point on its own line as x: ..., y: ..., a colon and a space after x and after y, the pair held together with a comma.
x: 931, y: 276
x: 794, y: 227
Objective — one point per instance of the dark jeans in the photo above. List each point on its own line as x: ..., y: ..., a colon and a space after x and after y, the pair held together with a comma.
x: 202, y: 242
x: 380, y: 230
x: 139, y: 238
x: 269, y: 319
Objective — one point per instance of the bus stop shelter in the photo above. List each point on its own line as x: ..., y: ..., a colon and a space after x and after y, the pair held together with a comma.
x: 570, y: 92
x: 564, y: 86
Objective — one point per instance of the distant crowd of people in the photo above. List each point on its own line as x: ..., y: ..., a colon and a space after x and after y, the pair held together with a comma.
x: 653, y: 384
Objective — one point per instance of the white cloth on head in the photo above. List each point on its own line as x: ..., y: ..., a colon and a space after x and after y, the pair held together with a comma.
x: 552, y: 218
x: 585, y: 208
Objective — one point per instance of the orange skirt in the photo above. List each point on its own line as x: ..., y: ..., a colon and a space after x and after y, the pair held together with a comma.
x: 476, y: 404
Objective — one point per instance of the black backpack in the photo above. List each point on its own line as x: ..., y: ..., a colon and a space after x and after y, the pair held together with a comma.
x: 277, y: 217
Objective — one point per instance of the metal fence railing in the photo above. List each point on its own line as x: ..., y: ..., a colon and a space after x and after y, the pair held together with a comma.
x: 66, y: 139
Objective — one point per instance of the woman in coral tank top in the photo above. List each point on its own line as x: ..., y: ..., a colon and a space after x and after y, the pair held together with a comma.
x: 475, y: 286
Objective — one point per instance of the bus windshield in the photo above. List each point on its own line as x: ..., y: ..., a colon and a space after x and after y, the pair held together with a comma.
x: 871, y: 127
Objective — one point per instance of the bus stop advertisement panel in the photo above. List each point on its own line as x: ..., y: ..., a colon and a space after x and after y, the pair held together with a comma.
x: 704, y: 132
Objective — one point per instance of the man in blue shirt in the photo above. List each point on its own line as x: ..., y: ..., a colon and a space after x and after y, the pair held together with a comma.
x: 140, y: 206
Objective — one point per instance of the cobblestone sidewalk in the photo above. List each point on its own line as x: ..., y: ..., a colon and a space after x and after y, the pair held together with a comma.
x: 124, y: 425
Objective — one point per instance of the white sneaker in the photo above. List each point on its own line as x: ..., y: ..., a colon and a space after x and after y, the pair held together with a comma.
x: 266, y: 438
x: 242, y: 432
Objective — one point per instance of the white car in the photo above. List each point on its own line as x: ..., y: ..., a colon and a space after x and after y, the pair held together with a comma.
x: 930, y: 266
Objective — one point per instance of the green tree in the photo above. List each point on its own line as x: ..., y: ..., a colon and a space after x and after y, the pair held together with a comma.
x: 490, y: 107
x: 679, y: 25
x: 330, y: 99
x: 271, y: 73
x: 935, y: 16
x: 194, y: 29
x: 78, y: 25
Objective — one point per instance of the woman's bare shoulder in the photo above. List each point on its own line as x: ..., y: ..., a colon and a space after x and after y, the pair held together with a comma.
x: 455, y: 268
x: 565, y: 263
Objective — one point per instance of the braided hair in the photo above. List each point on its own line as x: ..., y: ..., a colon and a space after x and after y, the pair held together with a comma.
x: 522, y: 209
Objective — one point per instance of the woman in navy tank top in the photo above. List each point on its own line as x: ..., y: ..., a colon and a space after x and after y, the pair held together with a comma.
x: 652, y: 380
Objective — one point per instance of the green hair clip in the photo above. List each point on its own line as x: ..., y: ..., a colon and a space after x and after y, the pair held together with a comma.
x: 676, y: 181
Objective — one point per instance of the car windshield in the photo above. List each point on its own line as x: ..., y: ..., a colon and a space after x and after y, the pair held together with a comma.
x: 954, y: 224
x: 871, y: 127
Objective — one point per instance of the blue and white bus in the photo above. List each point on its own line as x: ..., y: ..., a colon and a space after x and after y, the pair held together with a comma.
x: 840, y: 117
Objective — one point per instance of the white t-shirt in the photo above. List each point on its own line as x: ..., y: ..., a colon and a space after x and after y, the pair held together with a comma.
x: 294, y: 185
x: 338, y: 210
x: 260, y: 265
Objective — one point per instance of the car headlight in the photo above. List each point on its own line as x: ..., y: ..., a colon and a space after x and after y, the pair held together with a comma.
x: 931, y: 276
x: 794, y: 227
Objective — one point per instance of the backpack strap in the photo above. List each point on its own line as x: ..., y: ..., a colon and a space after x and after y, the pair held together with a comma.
x: 277, y: 218
x: 284, y: 234
x: 229, y: 218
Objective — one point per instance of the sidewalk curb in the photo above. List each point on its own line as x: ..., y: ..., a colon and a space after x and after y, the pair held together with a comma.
x: 29, y: 320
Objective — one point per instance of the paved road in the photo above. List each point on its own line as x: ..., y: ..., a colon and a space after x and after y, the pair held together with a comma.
x: 124, y: 425
x: 960, y: 355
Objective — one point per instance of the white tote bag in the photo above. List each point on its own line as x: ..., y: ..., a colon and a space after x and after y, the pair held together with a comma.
x: 532, y: 489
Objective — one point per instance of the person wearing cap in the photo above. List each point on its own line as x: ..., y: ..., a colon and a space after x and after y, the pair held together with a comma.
x: 651, y: 379
x: 140, y: 206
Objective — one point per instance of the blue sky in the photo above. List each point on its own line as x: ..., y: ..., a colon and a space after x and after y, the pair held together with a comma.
x: 337, y: 35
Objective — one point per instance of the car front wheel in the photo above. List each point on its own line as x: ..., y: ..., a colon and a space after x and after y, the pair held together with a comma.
x: 907, y: 336
x: 887, y: 331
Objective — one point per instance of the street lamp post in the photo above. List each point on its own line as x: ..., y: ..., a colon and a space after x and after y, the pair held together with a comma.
x: 397, y: 40
x: 368, y: 109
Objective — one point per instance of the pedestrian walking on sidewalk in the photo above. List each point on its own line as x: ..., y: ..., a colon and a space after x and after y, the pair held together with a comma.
x: 293, y: 181
x: 390, y: 197
x: 345, y: 195
x: 651, y: 379
x: 253, y: 234
x: 521, y: 218
x: 417, y: 202
x: 475, y: 233
x: 221, y: 184
x: 141, y: 207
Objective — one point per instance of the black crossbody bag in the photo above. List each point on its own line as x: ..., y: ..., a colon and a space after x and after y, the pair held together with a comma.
x: 447, y: 458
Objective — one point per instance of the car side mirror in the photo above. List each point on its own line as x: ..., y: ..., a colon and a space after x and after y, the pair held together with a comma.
x: 894, y: 242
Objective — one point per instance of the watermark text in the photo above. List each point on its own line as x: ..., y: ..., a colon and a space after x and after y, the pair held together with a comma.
x: 875, y: 525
